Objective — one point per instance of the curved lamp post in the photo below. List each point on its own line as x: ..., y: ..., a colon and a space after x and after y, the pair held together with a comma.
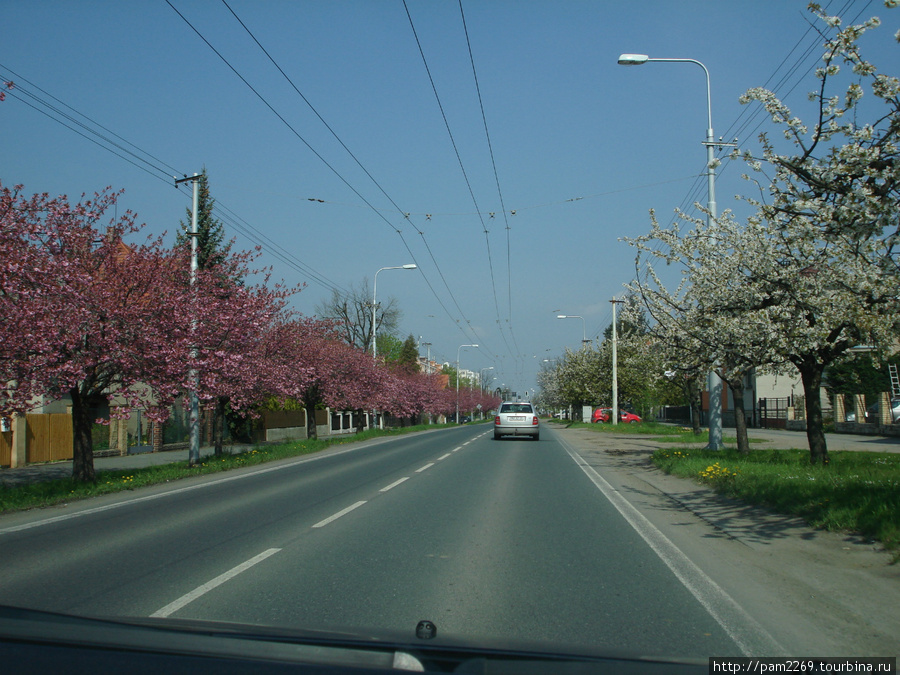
x: 457, y: 379
x: 374, y: 290
x: 481, y: 376
x: 584, y: 339
x: 715, y: 382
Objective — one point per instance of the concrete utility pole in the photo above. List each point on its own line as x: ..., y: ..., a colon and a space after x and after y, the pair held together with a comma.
x: 614, y: 413
x: 193, y: 375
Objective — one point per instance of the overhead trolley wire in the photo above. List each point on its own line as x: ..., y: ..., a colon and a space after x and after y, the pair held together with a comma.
x: 465, y: 175
x: 352, y: 155
x: 496, y: 176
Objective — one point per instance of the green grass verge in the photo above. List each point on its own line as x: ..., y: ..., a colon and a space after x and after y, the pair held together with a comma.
x: 59, y: 491
x: 682, y: 434
x: 663, y: 433
x: 857, y: 491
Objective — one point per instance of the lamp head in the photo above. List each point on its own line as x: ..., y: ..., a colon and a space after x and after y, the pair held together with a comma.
x: 410, y: 266
x: 633, y: 59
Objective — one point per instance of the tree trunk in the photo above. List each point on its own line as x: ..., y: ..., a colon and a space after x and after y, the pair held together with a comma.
x: 740, y: 419
x: 695, y: 401
x: 360, y: 421
x: 219, y: 425
x: 811, y: 375
x: 310, y: 407
x: 82, y: 445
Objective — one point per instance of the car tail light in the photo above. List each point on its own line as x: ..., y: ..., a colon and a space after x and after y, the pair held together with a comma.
x: 497, y: 419
x: 534, y: 421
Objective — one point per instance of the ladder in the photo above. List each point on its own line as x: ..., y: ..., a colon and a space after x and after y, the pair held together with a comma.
x: 895, y: 380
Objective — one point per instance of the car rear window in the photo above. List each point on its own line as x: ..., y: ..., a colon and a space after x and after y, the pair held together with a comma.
x: 515, y: 408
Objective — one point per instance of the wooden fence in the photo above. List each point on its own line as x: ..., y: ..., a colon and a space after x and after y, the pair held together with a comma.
x: 48, y: 438
x: 6, y: 448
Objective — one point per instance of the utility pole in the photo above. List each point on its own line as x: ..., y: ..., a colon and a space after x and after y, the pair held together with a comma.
x: 614, y: 413
x: 193, y: 375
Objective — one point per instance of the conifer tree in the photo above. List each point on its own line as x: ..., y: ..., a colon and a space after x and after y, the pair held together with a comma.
x: 211, y: 251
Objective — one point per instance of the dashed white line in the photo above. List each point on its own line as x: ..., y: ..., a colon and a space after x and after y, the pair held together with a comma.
x: 342, y: 512
x: 394, y: 484
x: 443, y: 457
x: 427, y: 466
x: 173, y: 607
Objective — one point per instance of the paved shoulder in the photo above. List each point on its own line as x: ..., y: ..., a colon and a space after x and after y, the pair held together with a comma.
x: 819, y: 592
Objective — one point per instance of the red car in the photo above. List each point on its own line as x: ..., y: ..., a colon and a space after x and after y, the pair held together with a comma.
x: 604, y: 414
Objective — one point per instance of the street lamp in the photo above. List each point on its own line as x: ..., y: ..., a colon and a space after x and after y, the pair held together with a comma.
x: 457, y: 379
x: 715, y: 382
x: 584, y: 339
x: 481, y: 376
x: 374, y: 289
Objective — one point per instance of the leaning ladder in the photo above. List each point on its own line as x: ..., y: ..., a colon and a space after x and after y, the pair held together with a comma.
x: 895, y: 380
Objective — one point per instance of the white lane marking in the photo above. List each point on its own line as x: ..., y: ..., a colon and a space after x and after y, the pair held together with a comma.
x: 444, y: 456
x: 457, y: 448
x: 161, y: 495
x: 342, y: 512
x: 746, y: 632
x: 427, y: 466
x: 173, y: 607
x: 394, y: 484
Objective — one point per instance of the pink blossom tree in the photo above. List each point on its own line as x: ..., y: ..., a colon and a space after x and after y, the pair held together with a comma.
x: 85, y: 315
x: 242, y: 346
x: 82, y: 313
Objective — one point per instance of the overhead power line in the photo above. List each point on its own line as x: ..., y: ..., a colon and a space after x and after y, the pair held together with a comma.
x: 91, y: 130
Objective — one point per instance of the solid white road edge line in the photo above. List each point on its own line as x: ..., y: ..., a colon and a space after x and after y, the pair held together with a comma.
x: 173, y: 607
x: 342, y: 512
x: 394, y: 484
x: 747, y: 633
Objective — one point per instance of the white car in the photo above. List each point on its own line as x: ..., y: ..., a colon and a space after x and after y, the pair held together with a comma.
x: 872, y: 412
x: 517, y: 418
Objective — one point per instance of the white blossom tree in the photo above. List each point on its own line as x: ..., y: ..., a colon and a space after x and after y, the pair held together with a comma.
x: 813, y: 273
x: 707, y: 323
x: 836, y: 200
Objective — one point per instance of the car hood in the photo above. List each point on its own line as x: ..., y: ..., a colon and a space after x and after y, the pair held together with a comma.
x: 266, y: 645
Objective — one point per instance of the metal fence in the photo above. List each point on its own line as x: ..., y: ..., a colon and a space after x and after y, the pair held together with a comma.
x: 773, y: 412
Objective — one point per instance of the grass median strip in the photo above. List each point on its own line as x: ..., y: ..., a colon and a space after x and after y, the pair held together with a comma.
x: 857, y: 491
x: 60, y: 491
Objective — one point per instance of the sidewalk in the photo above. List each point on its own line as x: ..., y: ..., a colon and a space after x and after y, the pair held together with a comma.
x: 35, y: 473
x: 777, y: 438
x: 816, y: 592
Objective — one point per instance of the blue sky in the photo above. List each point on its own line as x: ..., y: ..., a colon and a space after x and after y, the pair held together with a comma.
x: 583, y: 147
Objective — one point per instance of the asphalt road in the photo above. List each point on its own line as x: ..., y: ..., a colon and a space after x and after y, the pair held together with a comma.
x: 501, y: 540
